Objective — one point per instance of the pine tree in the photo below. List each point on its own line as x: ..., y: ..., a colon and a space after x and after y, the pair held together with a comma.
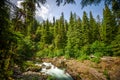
x: 46, y: 35
x: 74, y: 35
x: 94, y: 30
x: 38, y: 34
x: 56, y: 28
x: 109, y: 25
x: 70, y: 33
x: 79, y: 34
x: 60, y: 39
x: 85, y: 29
x: 8, y: 40
x: 54, y: 21
x: 116, y: 45
x: 29, y: 18
x: 116, y: 10
x: 99, y: 28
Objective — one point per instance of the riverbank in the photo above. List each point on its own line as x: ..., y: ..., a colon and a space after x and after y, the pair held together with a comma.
x: 107, y: 69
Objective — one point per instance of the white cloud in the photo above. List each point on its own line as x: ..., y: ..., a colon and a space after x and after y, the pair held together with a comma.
x: 44, y: 12
x: 19, y: 4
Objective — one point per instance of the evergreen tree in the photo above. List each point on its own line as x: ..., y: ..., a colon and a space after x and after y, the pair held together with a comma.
x: 85, y: 29
x: 69, y: 46
x: 56, y: 28
x: 116, y: 45
x: 54, y: 21
x: 60, y: 39
x: 29, y: 9
x: 46, y: 35
x: 109, y: 25
x: 8, y: 41
x: 74, y: 35
x: 94, y: 30
x: 38, y: 34
x: 99, y: 28
x: 116, y: 10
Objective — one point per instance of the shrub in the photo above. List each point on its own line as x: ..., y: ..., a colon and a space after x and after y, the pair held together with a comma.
x: 59, y: 52
x: 83, y: 53
x: 85, y: 50
x: 83, y: 57
x: 42, y: 53
x: 100, y: 49
x: 96, y: 59
x: 27, y: 64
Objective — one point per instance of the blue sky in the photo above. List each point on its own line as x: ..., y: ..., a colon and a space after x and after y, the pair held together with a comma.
x: 48, y: 10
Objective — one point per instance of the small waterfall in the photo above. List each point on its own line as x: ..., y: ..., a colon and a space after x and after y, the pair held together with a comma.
x: 52, y: 70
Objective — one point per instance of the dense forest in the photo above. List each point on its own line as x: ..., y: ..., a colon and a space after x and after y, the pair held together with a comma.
x: 23, y: 38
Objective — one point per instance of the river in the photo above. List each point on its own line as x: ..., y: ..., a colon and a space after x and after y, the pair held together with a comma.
x: 50, y: 69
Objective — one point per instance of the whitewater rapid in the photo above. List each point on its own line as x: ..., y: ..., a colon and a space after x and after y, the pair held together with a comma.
x: 50, y: 69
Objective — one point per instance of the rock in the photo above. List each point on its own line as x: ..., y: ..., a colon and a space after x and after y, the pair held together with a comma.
x: 55, y: 58
x: 96, y: 74
x: 83, y: 70
x: 16, y: 72
x: 107, y: 59
x: 34, y: 68
x: 92, y: 56
x: 29, y: 75
x: 48, y: 67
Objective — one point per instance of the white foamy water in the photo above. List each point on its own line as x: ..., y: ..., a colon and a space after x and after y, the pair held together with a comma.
x: 52, y: 70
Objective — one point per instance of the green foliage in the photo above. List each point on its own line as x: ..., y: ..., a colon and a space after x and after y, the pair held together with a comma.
x: 100, y: 49
x: 74, y: 35
x: 51, y: 78
x: 59, y: 52
x: 38, y: 34
x: 27, y: 64
x: 85, y: 50
x: 83, y: 57
x: 8, y: 41
x: 26, y: 50
x: 43, y: 53
x: 94, y: 29
x: 85, y: 29
x: 60, y: 33
x: 58, y: 42
x: 109, y: 25
x: 84, y: 53
x: 46, y: 51
x: 106, y: 74
x: 24, y: 38
x: 96, y: 59
x: 116, y: 46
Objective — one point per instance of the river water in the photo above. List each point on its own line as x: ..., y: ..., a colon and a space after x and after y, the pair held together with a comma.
x: 50, y: 69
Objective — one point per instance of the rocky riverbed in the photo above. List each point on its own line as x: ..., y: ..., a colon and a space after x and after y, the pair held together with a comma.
x: 107, y: 69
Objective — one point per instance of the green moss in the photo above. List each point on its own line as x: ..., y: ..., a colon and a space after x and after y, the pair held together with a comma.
x: 51, y: 78
x: 106, y: 74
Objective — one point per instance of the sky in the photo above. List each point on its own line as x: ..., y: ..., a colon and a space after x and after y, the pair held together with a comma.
x: 50, y: 10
